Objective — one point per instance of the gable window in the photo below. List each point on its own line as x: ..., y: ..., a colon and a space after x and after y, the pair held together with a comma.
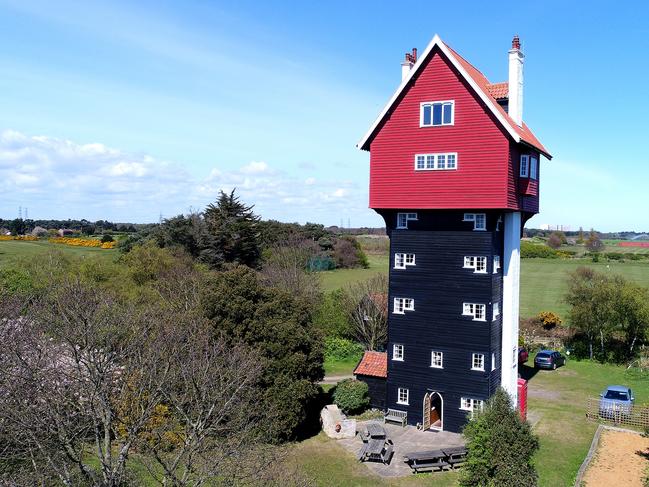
x: 436, y: 162
x: 402, y: 396
x: 437, y: 113
x: 404, y: 218
x: 477, y: 361
x: 397, y: 352
x: 401, y: 305
x: 470, y: 404
x: 437, y: 360
x: 402, y: 260
x: 477, y: 311
x: 477, y: 263
x: 479, y: 220
x: 496, y: 311
x: 534, y: 167
x: 496, y: 263
x: 525, y: 166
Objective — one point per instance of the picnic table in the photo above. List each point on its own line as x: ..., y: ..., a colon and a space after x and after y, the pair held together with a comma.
x: 436, y: 459
x: 376, y: 447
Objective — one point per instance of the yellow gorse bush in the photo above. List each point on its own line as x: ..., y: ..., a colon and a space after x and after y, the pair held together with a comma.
x: 18, y: 237
x: 82, y: 242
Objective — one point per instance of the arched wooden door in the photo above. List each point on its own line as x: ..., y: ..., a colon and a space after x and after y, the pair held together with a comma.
x: 426, y: 411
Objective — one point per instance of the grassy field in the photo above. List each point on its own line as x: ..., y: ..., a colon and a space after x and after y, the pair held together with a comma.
x: 556, y: 400
x: 13, y: 249
x: 543, y: 281
x: 340, y: 367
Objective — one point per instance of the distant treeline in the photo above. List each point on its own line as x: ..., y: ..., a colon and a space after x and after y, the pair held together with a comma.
x: 625, y: 235
x: 19, y: 226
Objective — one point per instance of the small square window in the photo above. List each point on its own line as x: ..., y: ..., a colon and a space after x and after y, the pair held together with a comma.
x: 421, y: 162
x: 410, y: 259
x: 430, y: 161
x: 401, y: 305
x: 480, y: 221
x: 496, y: 263
x: 437, y: 113
x: 493, y: 361
x: 402, y: 396
x: 441, y: 161
x: 399, y: 261
x: 496, y: 311
x: 397, y: 352
x: 477, y: 361
x: 409, y: 304
x: 469, y: 404
x: 477, y: 311
x: 404, y: 218
x: 437, y: 360
x: 450, y: 161
x: 477, y: 263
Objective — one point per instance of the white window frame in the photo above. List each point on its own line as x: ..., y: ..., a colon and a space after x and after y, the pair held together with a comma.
x: 476, y: 262
x: 437, y: 359
x: 471, y: 405
x: 534, y: 166
x: 471, y: 309
x: 431, y: 103
x: 496, y: 264
x: 402, y: 391
x: 525, y: 166
x: 493, y: 361
x: 398, y: 352
x: 479, y: 357
x: 408, y: 216
x: 403, y: 260
x: 401, y: 305
x: 474, y: 217
x: 435, y: 158
x: 495, y: 311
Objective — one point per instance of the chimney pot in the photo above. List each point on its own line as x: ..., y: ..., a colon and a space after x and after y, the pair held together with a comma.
x: 408, y: 63
x: 515, y: 84
x: 516, y: 42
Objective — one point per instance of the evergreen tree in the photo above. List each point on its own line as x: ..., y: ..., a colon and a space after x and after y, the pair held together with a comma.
x: 501, y: 446
x: 232, y: 233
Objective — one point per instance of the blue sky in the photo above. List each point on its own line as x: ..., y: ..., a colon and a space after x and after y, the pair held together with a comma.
x: 124, y: 111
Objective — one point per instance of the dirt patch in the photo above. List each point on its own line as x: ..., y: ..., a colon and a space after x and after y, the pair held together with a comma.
x: 619, y: 460
x: 546, y: 394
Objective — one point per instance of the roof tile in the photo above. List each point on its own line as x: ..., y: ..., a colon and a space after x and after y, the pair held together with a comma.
x: 374, y: 364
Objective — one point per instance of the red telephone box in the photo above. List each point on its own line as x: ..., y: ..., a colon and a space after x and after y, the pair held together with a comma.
x: 522, y: 398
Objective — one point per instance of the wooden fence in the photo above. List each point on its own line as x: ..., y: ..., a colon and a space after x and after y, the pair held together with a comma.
x: 636, y: 417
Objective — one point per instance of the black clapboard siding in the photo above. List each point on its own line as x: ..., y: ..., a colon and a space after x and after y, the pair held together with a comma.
x: 377, y: 390
x: 440, y: 285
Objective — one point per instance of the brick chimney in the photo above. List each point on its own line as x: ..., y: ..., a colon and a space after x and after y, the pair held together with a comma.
x: 408, y: 63
x: 516, y: 59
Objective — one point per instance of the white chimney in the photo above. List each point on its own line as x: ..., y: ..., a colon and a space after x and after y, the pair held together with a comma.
x: 408, y: 63
x: 516, y: 59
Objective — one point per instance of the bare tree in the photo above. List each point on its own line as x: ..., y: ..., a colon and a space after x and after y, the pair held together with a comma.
x: 286, y: 267
x: 366, y: 304
x: 65, y: 369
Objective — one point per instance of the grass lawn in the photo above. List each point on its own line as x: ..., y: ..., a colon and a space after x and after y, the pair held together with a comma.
x: 11, y: 250
x: 544, y: 281
x: 340, y: 367
x: 332, y: 280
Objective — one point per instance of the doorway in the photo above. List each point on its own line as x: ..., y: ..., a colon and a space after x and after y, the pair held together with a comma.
x: 433, y: 413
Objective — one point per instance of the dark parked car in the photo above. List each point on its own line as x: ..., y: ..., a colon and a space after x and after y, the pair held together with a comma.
x: 549, y: 359
x: 523, y: 355
x: 616, y: 401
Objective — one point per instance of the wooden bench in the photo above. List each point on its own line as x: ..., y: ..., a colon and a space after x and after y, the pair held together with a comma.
x: 424, y: 461
x: 396, y: 416
x: 455, y: 456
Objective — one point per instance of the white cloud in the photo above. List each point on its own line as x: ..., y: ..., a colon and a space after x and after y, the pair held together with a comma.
x: 59, y: 178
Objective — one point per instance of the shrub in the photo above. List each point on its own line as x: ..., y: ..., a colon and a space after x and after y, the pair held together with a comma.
x: 531, y: 251
x: 106, y: 238
x: 342, y: 349
x: 351, y: 396
x: 331, y: 317
x: 549, y: 319
x: 347, y: 253
x: 614, y: 256
x: 554, y: 241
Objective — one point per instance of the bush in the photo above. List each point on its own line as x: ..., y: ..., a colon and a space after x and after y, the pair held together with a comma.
x: 614, y: 256
x: 549, y: 319
x: 106, y: 238
x: 554, y: 241
x: 351, y: 396
x: 347, y: 253
x: 331, y: 317
x: 342, y: 349
x: 531, y: 251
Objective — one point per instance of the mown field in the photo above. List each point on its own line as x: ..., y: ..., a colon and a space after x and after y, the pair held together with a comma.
x: 556, y: 401
x: 13, y: 249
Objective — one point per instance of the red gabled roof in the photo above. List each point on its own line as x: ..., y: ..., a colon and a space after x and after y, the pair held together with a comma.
x: 475, y: 79
x: 374, y: 364
x: 499, y: 91
x: 483, y: 83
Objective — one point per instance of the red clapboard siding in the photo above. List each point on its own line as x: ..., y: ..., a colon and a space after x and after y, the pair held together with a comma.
x: 481, y: 180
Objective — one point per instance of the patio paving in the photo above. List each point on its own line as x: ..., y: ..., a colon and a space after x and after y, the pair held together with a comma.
x: 406, y: 440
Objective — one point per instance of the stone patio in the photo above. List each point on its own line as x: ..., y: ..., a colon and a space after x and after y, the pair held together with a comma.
x: 406, y: 440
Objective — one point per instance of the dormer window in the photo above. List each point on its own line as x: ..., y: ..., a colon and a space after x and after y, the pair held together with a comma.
x: 404, y: 218
x: 436, y: 113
